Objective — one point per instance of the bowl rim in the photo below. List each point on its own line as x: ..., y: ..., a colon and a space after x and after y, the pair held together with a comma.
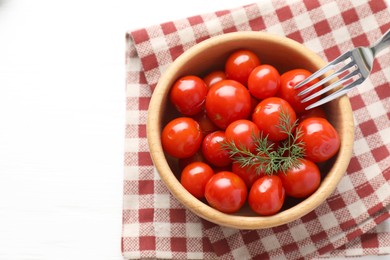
x: 230, y: 220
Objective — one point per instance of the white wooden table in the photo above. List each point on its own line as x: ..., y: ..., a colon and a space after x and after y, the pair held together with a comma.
x: 62, y: 112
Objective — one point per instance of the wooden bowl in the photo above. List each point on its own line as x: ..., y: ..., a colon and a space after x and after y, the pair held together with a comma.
x: 284, y: 54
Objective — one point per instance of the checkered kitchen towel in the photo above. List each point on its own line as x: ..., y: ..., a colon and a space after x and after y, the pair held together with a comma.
x: 155, y: 225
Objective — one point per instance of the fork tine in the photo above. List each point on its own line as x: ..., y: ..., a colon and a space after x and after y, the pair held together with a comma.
x: 324, y: 69
x: 321, y: 82
x: 331, y: 86
x: 336, y: 94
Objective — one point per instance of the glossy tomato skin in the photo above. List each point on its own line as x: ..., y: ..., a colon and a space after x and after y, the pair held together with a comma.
x: 188, y: 95
x: 212, y: 150
x: 266, y: 197
x: 194, y: 178
x: 226, y: 192
x: 240, y: 64
x: 181, y: 137
x: 247, y: 173
x: 243, y: 134
x: 214, y: 77
x: 264, y: 81
x: 227, y: 101
x: 301, y: 181
x: 320, y: 138
x: 288, y: 81
x: 267, y: 117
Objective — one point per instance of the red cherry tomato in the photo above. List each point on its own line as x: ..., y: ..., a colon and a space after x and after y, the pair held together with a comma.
x: 247, y: 173
x: 227, y: 101
x: 197, y: 157
x: 264, y: 81
x: 242, y: 133
x: 212, y: 150
x: 188, y: 95
x: 240, y: 64
x: 226, y: 192
x: 214, y: 77
x: 288, y: 81
x: 194, y: 178
x: 301, y: 181
x: 266, y: 197
x: 206, y: 125
x: 267, y: 117
x: 181, y: 137
x: 321, y: 139
x: 314, y: 112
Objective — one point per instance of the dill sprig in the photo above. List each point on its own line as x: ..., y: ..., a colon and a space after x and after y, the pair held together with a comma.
x: 270, y: 159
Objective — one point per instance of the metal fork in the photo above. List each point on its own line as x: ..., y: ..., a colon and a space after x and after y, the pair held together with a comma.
x: 354, y: 66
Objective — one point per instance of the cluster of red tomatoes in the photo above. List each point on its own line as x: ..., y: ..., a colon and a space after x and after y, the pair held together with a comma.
x: 237, y: 104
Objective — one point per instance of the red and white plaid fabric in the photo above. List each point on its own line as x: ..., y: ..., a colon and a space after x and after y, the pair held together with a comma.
x: 156, y: 225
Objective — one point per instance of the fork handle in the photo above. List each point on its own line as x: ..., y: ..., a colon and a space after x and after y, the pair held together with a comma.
x: 382, y: 43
